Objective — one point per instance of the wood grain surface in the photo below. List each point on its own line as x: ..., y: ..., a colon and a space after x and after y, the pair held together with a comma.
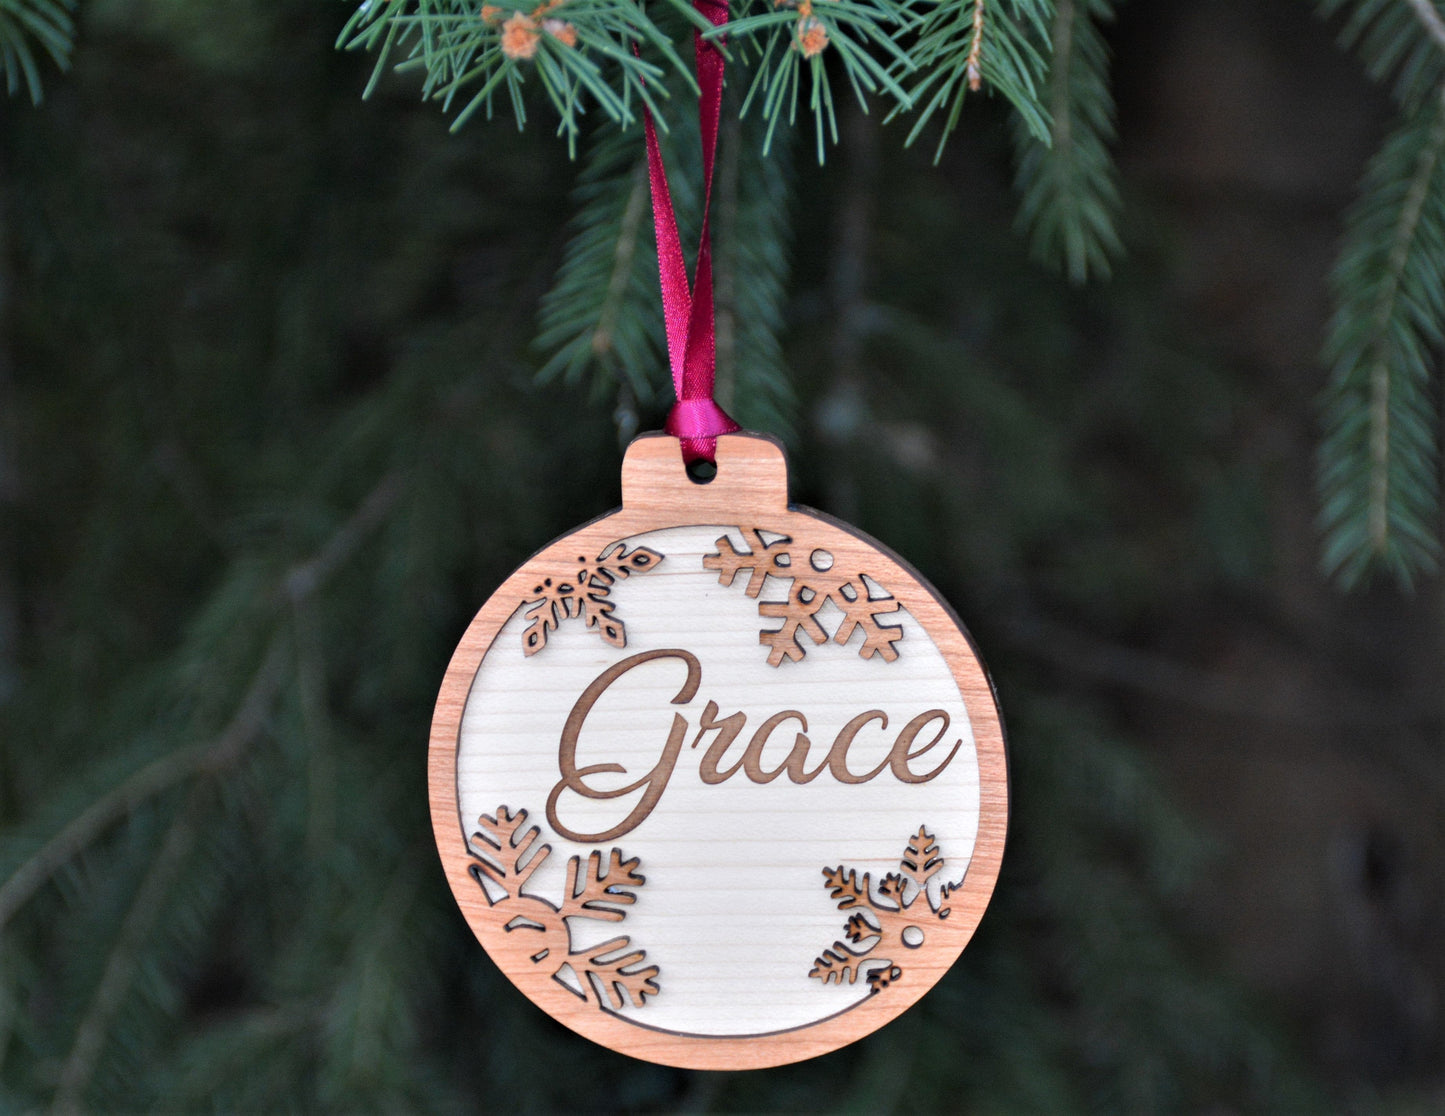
x: 718, y: 782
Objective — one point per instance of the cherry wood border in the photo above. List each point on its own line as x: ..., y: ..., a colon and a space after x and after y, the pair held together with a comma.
x: 750, y: 487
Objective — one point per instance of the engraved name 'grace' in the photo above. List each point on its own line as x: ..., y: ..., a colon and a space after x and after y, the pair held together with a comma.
x: 900, y: 759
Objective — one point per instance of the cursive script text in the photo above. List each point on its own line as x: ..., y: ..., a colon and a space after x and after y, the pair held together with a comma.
x: 914, y: 740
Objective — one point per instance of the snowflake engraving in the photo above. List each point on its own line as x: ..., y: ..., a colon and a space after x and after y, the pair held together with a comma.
x: 584, y: 590
x: 816, y: 580
x: 504, y: 853
x: 886, y: 917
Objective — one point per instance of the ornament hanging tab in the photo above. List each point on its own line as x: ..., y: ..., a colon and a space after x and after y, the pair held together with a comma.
x: 687, y: 309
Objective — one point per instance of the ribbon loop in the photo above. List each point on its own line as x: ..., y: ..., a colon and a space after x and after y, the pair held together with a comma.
x: 698, y: 419
x: 687, y: 308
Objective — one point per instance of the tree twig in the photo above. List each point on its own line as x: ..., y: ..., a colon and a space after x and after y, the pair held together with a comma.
x: 304, y: 578
x: 974, y: 67
x: 146, y: 783
x: 1065, y: 16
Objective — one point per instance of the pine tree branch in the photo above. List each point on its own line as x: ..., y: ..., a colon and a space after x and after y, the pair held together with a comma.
x: 213, y: 756
x: 369, y: 964
x: 599, y: 321
x: 1378, y: 460
x: 120, y: 967
x: 963, y: 46
x: 1396, y: 40
x: 316, y: 728
x: 972, y: 66
x: 145, y: 784
x: 1430, y: 19
x: 248, y: 723
x: 581, y: 56
x: 725, y: 206
x: 1061, y: 70
x: 1378, y: 477
x: 791, y: 36
x: 751, y: 266
x: 1069, y: 192
x: 1386, y: 302
x: 629, y: 234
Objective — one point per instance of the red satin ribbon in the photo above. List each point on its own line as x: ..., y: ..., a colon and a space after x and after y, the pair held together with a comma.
x: 688, y: 309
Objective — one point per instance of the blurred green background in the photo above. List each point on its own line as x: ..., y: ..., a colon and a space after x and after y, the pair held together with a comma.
x: 270, y: 433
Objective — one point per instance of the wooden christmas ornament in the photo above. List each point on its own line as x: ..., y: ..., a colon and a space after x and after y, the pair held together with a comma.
x: 718, y: 782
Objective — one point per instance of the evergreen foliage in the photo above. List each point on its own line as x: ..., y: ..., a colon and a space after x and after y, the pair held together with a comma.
x: 243, y: 572
x: 913, y: 52
x: 277, y: 432
x: 597, y: 319
x: 1378, y: 474
x: 961, y: 46
x: 469, y: 52
x: 1380, y: 458
x: 1379, y: 471
x: 26, y: 25
x: 1068, y: 187
x: 599, y: 322
x: 785, y: 40
x: 751, y: 272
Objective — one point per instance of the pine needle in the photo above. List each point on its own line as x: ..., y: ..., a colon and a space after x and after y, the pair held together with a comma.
x: 26, y: 25
x: 963, y: 47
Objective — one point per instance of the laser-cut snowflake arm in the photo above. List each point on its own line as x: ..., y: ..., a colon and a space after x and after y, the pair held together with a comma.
x: 890, y: 891
x: 845, y: 888
x: 618, y: 976
x: 602, y: 890
x: 945, y: 892
x: 584, y: 590
x: 838, y: 965
x: 761, y: 559
x: 597, y: 611
x: 614, y: 971
x: 798, y: 620
x: 862, y: 611
x: 859, y: 928
x: 501, y: 847
x: 891, y: 920
x: 815, y: 580
x: 921, y: 861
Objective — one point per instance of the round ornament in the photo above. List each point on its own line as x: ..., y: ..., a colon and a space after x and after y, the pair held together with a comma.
x: 718, y: 782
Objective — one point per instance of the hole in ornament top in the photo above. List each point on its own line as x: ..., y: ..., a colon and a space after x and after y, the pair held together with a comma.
x: 701, y: 471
